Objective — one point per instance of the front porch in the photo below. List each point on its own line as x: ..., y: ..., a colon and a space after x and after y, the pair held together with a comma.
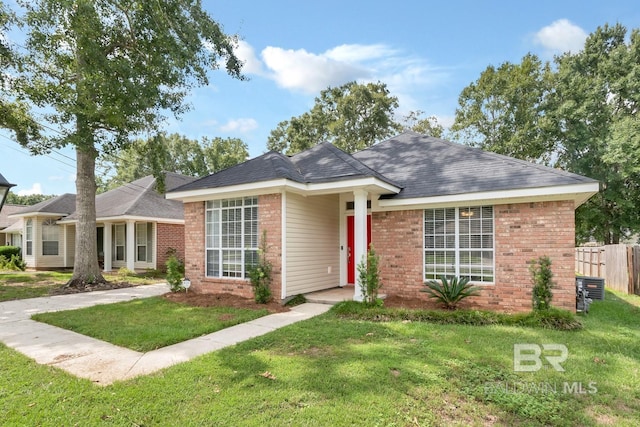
x: 334, y: 295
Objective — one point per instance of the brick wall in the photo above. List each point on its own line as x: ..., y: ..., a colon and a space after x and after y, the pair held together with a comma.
x: 269, y: 208
x: 523, y: 232
x: 169, y: 236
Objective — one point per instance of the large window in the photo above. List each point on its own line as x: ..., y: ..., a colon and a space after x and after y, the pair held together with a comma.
x: 231, y: 236
x: 144, y: 242
x: 50, y: 236
x: 28, y: 239
x: 459, y: 242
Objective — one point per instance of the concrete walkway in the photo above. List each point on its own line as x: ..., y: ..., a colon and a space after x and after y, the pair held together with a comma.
x: 105, y: 363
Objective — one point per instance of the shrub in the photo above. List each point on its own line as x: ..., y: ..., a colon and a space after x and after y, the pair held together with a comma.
x: 450, y: 291
x: 124, y: 272
x: 8, y: 251
x: 260, y: 275
x: 541, y: 275
x: 14, y: 263
x: 175, y: 272
x: 369, y: 277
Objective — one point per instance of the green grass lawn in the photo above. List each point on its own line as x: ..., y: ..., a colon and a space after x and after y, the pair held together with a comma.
x: 329, y: 371
x: 149, y: 323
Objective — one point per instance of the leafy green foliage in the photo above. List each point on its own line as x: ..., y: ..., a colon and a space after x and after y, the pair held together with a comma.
x: 175, y: 272
x: 352, y: 116
x: 8, y: 251
x: 450, y: 291
x: 260, y: 274
x: 415, y: 121
x: 13, y: 263
x: 542, y: 277
x: 369, y: 277
x: 27, y: 200
x: 502, y: 110
x: 171, y: 153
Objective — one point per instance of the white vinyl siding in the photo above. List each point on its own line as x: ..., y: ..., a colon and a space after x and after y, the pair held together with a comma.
x: 312, y: 243
x: 231, y: 241
x: 459, y: 242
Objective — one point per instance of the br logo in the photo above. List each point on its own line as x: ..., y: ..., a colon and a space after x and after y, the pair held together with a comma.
x: 528, y: 357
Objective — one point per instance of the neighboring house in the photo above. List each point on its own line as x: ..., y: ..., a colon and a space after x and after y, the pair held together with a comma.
x: 10, y: 229
x: 136, y: 226
x: 428, y: 206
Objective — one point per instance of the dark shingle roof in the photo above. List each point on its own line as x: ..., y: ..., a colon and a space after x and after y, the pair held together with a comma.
x: 140, y: 198
x: 321, y: 163
x: 63, y: 205
x: 427, y: 166
x: 7, y: 210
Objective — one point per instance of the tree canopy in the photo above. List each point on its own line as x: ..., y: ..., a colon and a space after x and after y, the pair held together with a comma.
x: 352, y: 116
x: 502, y: 111
x: 100, y: 71
x: 581, y: 114
x: 172, y: 153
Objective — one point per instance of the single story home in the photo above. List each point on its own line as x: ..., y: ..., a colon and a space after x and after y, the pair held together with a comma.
x: 429, y: 207
x: 136, y: 226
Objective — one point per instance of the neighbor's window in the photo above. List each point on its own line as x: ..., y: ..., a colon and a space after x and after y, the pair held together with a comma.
x: 144, y: 241
x: 231, y: 237
x: 49, y: 237
x: 459, y: 242
x: 119, y: 242
x: 28, y: 240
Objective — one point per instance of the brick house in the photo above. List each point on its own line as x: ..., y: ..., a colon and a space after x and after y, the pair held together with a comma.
x: 428, y: 206
x: 136, y: 226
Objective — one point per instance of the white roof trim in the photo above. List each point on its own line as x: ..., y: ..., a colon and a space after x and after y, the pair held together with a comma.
x: 37, y: 214
x: 579, y: 193
x: 123, y: 218
x: 371, y: 184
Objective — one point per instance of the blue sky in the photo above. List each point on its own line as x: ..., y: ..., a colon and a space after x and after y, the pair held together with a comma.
x: 426, y: 52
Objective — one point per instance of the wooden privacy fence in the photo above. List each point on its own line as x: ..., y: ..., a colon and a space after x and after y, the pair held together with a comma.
x: 619, y: 265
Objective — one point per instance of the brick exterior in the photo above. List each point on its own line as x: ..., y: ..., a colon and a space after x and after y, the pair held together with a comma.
x: 169, y: 236
x: 523, y: 232
x: 269, y: 220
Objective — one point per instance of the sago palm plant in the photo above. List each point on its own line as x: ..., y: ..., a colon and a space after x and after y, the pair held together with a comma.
x: 451, y: 291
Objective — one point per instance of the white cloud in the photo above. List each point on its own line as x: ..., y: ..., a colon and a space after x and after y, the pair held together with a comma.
x: 36, y: 188
x: 239, y: 125
x: 251, y: 64
x: 561, y: 36
x: 309, y: 72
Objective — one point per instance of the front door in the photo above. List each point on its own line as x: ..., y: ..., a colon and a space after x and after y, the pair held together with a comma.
x: 351, y: 261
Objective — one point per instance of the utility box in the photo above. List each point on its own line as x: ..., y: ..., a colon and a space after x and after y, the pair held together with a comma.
x: 594, y: 285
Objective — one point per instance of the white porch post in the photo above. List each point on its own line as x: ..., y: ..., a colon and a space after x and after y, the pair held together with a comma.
x: 107, y: 246
x: 360, y: 236
x: 131, y: 245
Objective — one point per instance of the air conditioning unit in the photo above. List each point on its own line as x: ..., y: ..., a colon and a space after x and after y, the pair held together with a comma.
x: 594, y: 285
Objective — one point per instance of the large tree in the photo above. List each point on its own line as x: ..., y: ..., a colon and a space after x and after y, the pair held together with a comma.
x: 594, y: 109
x: 417, y: 122
x: 172, y: 153
x: 502, y: 111
x: 352, y: 116
x: 102, y: 70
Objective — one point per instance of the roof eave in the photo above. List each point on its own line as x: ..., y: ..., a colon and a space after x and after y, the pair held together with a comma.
x: 371, y: 184
x: 579, y: 193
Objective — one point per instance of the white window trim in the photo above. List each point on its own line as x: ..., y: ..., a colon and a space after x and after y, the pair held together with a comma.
x: 28, y: 238
x: 115, y: 243
x: 221, y: 250
x: 46, y: 224
x: 457, y: 243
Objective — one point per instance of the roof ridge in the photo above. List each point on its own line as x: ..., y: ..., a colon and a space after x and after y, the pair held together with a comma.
x: 351, y: 160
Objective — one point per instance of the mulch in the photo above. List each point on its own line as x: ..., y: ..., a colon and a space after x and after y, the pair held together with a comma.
x: 229, y: 300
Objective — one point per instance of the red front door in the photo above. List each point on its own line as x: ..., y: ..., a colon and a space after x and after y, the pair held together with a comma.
x: 351, y: 261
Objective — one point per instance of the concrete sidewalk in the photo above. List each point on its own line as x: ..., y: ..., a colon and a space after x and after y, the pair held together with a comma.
x: 105, y: 363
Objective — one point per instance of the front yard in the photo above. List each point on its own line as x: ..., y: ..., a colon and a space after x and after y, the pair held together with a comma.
x: 334, y: 371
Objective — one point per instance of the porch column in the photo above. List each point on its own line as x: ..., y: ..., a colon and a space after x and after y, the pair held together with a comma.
x: 360, y: 236
x: 130, y: 250
x: 107, y: 246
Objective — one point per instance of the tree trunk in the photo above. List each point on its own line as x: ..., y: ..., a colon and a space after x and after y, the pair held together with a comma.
x: 85, y: 267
